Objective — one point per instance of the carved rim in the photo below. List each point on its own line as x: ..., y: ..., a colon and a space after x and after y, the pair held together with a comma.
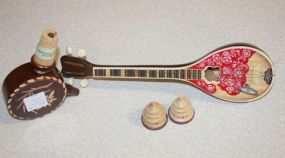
x: 30, y: 82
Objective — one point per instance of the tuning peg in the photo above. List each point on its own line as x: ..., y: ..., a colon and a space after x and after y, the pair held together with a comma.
x: 84, y: 83
x: 71, y: 81
x: 81, y: 53
x: 69, y: 51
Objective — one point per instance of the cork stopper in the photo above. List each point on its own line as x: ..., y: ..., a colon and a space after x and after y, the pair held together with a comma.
x: 181, y: 111
x: 48, y: 38
x: 154, y: 116
x: 46, y: 49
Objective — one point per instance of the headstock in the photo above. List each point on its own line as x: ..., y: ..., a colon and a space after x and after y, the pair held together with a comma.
x: 76, y: 67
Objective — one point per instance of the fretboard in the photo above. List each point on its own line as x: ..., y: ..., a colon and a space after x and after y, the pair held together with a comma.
x: 146, y: 73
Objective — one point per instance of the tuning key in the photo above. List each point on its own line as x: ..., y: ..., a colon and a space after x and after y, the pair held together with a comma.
x: 71, y: 81
x: 84, y: 83
x: 69, y: 51
x: 81, y: 53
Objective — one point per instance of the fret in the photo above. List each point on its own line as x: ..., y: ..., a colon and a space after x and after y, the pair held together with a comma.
x: 188, y: 74
x: 152, y: 73
x: 111, y: 72
x: 157, y: 73
x: 107, y: 72
x: 115, y: 72
x: 182, y: 74
x: 142, y: 73
x: 136, y: 73
x: 176, y: 73
x: 99, y: 72
x: 129, y: 73
x: 169, y: 73
x: 161, y: 73
x: 194, y: 74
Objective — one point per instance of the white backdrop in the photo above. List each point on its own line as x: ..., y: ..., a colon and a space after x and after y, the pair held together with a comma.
x: 104, y: 121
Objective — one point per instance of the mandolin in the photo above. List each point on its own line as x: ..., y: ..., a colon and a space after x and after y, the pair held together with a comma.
x: 236, y: 73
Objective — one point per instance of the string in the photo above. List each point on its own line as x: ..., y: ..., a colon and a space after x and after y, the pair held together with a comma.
x: 256, y: 71
x: 253, y: 74
x: 249, y: 76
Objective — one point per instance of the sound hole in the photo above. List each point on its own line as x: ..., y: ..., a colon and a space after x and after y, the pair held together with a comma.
x: 212, y: 74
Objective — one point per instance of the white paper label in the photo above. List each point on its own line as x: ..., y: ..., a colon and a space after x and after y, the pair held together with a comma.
x: 36, y: 101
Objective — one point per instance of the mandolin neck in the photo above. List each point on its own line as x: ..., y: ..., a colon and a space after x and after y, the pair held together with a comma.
x: 80, y: 68
x: 144, y: 73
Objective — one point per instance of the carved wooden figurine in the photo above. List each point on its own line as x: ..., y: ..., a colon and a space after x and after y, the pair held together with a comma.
x: 181, y: 111
x: 154, y: 116
x: 37, y: 88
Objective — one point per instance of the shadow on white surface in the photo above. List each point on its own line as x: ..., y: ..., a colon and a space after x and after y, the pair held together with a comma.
x: 135, y: 118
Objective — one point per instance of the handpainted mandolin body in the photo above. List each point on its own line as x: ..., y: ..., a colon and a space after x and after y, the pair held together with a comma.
x: 239, y: 67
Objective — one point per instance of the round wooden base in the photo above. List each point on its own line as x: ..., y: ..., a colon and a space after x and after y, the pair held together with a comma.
x: 181, y: 123
x: 158, y: 128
